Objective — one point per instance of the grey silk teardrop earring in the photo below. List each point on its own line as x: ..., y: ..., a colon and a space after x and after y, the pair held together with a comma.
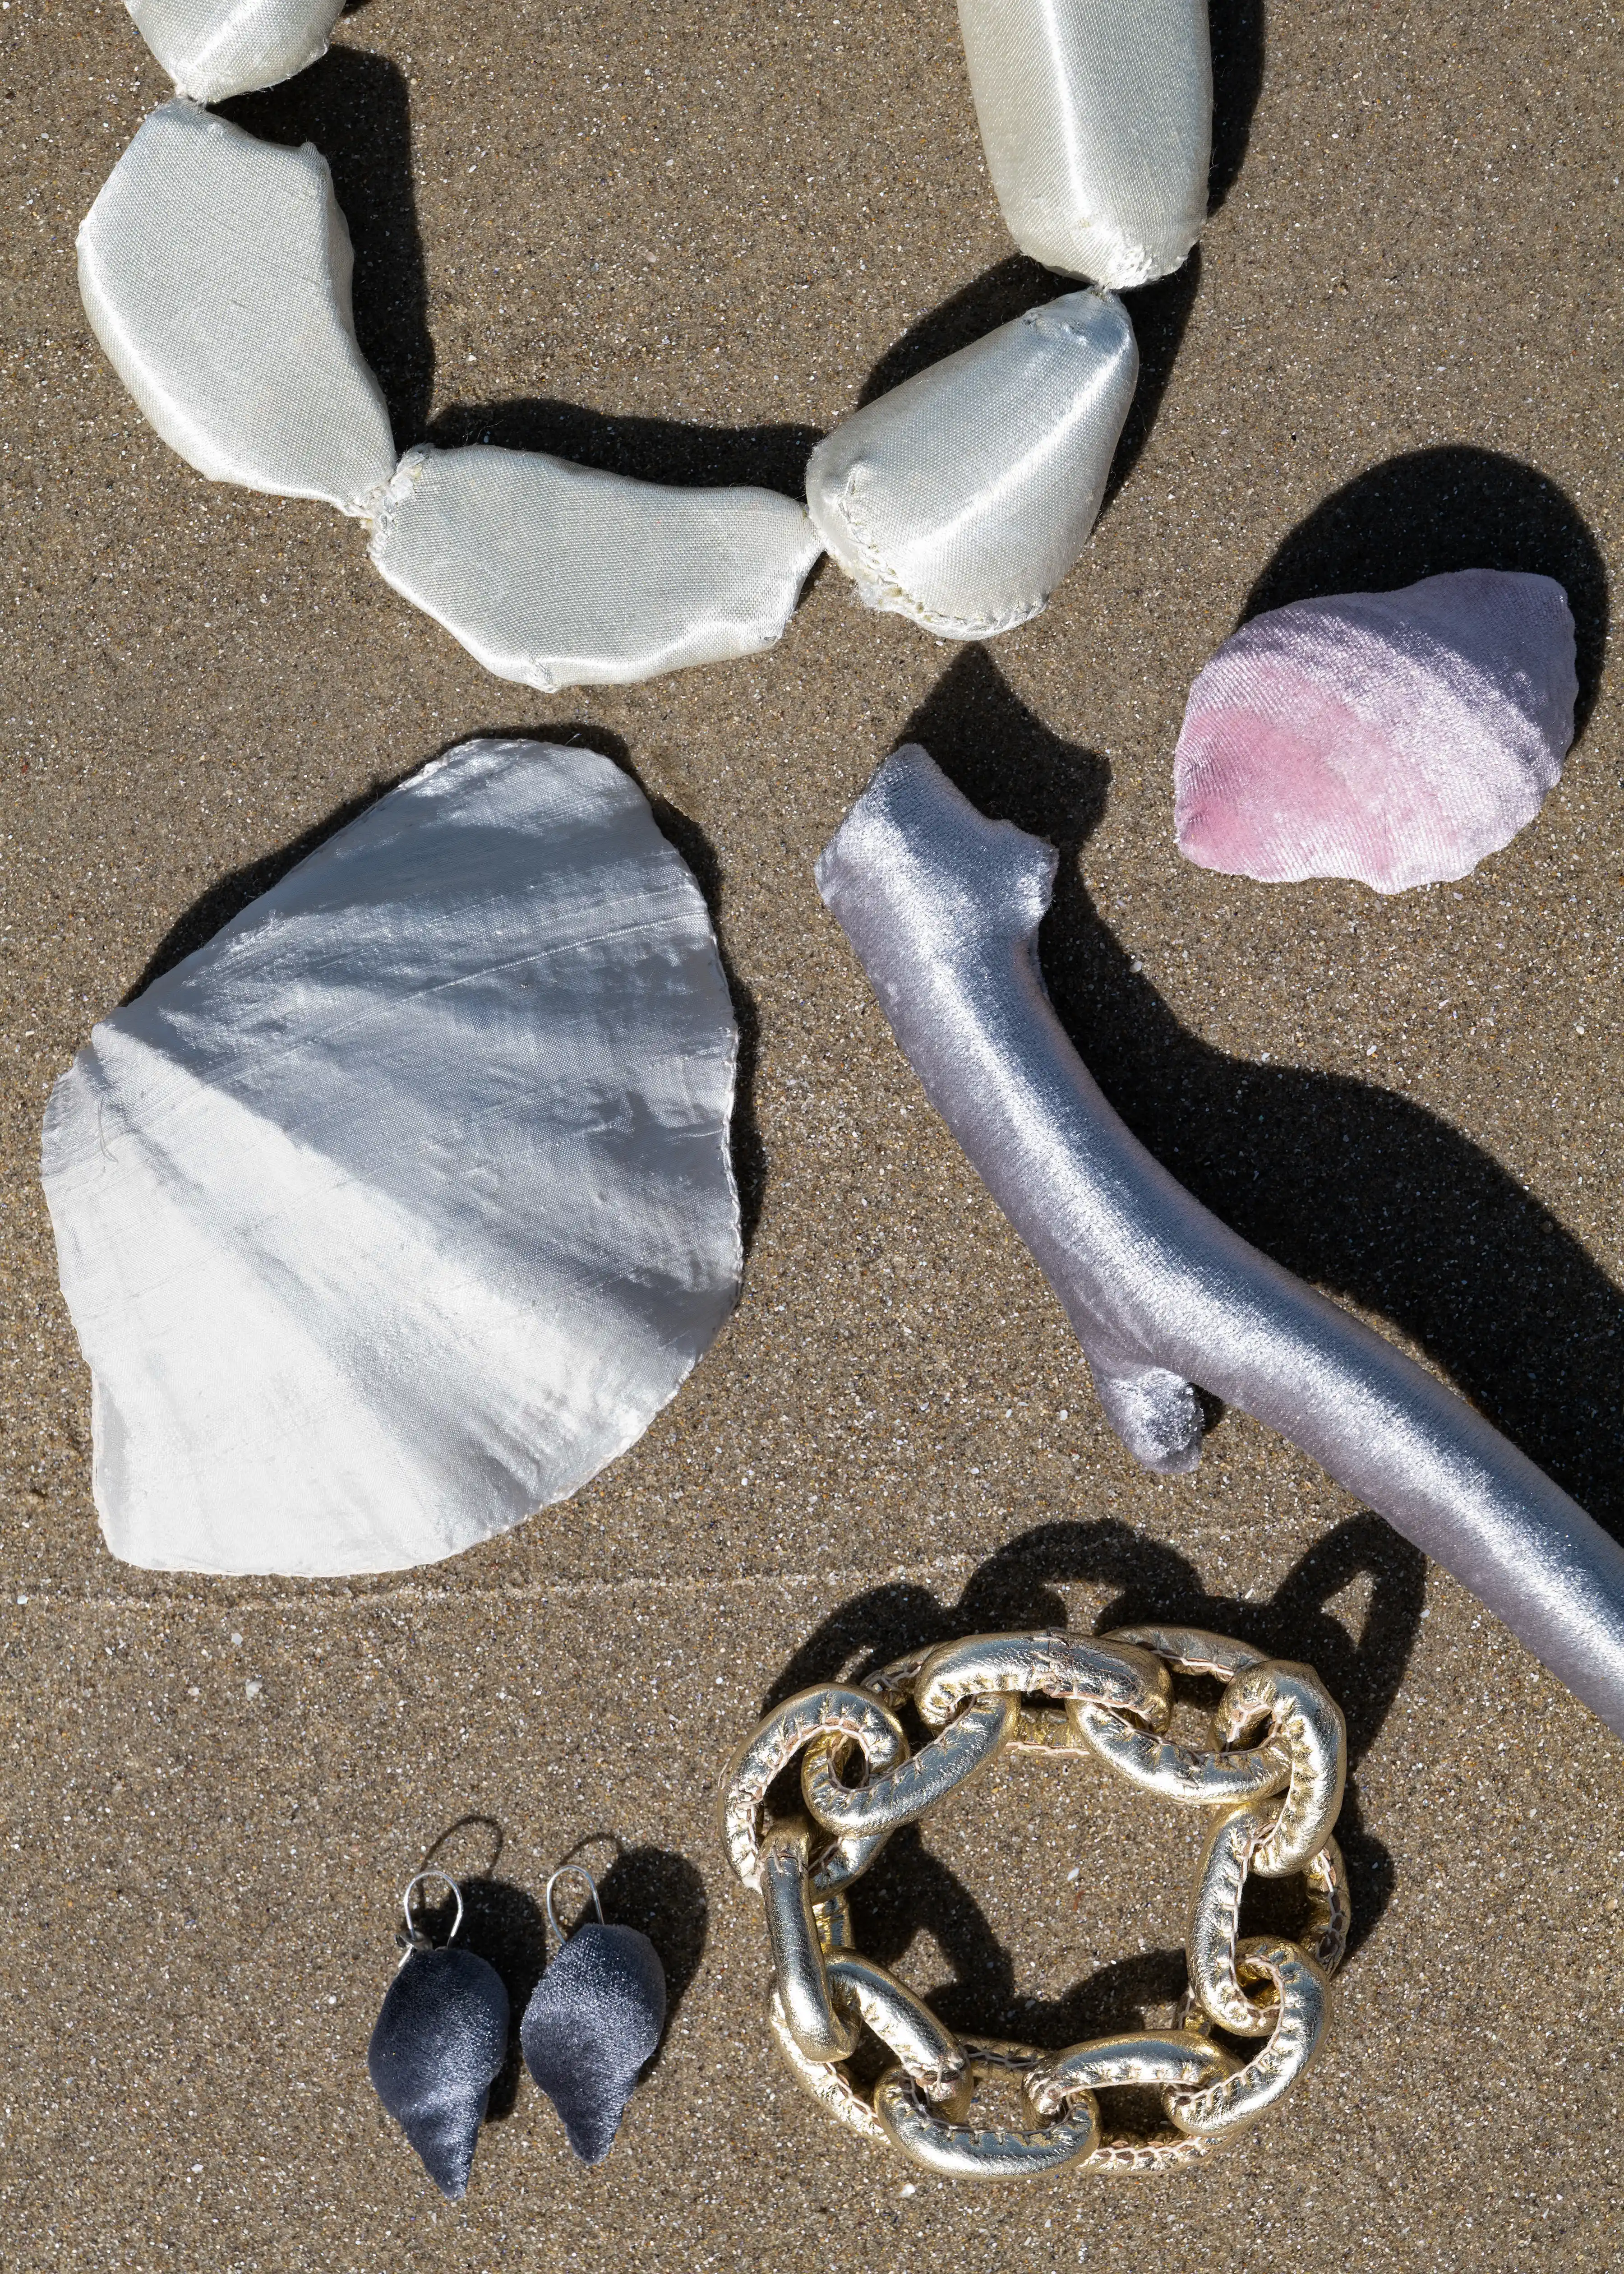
x: 594, y: 2018
x: 440, y: 2041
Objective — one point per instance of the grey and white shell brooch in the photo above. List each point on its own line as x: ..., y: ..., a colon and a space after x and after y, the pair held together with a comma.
x: 216, y: 270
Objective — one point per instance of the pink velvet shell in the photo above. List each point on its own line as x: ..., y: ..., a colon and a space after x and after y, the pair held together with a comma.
x: 1392, y: 737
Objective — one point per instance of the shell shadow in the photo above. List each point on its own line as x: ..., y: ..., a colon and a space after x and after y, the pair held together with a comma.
x: 1430, y: 511
x: 1358, y: 1190
x: 1017, y: 1588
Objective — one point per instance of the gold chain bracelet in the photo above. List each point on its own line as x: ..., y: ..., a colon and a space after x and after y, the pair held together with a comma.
x: 1278, y: 1798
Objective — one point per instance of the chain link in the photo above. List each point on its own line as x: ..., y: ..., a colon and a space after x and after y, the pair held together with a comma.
x: 1278, y: 1797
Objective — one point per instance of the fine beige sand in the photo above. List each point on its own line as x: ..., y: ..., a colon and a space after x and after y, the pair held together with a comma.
x: 681, y: 242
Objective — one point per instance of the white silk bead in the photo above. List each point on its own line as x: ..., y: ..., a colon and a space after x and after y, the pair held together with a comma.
x: 214, y: 269
x: 1096, y: 117
x: 961, y: 498
x: 213, y: 49
x: 557, y: 575
x: 406, y: 1203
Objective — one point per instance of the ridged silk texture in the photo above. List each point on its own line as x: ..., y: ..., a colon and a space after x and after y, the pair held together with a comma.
x: 406, y: 1203
x: 1096, y: 117
x: 1393, y: 737
x: 942, y: 907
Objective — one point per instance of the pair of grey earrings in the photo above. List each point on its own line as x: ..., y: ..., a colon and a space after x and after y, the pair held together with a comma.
x: 593, y: 2020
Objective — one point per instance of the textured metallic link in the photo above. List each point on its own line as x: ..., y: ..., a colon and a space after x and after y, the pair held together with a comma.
x: 1141, y: 2057
x: 978, y: 1696
x: 1303, y: 1721
x: 1193, y: 1650
x: 830, y: 1706
x: 1161, y: 2151
x: 1167, y: 2057
x: 1330, y: 1913
x: 826, y: 2081
x: 968, y: 1745
x: 1210, y: 1943
x: 831, y: 1914
x: 926, y: 2048
x: 962, y: 2150
x: 1044, y: 1730
x: 1301, y: 2011
x: 893, y: 1684
x: 821, y: 2034
x: 1176, y: 1772
x: 1051, y: 1665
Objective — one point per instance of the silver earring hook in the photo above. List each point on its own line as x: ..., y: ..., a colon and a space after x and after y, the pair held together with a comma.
x: 415, y: 1939
x: 571, y: 1871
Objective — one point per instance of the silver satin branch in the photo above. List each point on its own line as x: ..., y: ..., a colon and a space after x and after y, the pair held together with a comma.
x: 942, y: 907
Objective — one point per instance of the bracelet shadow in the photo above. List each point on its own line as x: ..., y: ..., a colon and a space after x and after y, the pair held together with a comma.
x: 1017, y: 1589
x: 1357, y: 1189
x: 229, y: 894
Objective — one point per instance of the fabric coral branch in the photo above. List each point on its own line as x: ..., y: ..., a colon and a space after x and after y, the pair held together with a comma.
x: 942, y: 908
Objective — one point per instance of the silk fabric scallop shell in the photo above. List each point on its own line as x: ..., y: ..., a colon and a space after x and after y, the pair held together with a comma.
x: 405, y: 1204
x: 1396, y: 738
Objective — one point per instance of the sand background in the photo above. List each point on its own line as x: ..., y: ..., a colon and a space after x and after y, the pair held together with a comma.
x: 681, y: 242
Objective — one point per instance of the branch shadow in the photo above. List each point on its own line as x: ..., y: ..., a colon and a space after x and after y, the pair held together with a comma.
x: 1017, y: 1589
x: 1358, y: 1190
x: 1430, y: 511
x: 229, y: 895
x: 356, y: 109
